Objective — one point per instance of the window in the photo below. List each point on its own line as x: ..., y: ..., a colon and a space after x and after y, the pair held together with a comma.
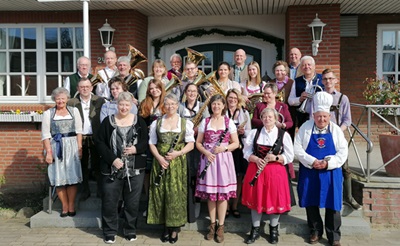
x: 388, y: 52
x: 35, y: 59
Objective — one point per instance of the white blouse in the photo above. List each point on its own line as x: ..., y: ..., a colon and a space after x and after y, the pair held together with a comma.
x: 46, y: 134
x: 269, y: 138
x: 202, y: 126
x: 189, y: 134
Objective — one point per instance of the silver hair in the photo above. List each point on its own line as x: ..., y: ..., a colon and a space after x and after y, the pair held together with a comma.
x: 125, y: 96
x: 175, y: 55
x: 79, y: 60
x: 171, y: 96
x: 305, y: 58
x: 124, y: 59
x: 59, y: 90
x: 267, y: 110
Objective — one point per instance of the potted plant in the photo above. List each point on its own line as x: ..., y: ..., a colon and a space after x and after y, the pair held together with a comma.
x: 381, y: 92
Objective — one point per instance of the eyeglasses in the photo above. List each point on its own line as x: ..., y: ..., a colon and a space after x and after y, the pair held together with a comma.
x: 328, y: 79
x: 190, y: 68
x: 233, y: 98
x: 85, y: 87
x: 170, y: 104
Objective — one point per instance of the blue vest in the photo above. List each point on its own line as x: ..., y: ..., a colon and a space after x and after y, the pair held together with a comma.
x: 301, y: 83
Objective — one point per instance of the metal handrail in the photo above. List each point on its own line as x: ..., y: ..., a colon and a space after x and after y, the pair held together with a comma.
x: 369, y: 110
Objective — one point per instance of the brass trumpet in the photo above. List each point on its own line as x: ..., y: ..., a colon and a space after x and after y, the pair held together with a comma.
x: 314, y: 88
x: 173, y: 82
x: 95, y: 80
x: 281, y: 95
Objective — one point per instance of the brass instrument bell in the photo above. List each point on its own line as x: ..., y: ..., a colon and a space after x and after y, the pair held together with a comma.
x: 136, y: 56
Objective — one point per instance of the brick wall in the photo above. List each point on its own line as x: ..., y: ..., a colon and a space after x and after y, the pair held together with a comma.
x: 298, y: 34
x: 358, y: 61
x: 382, y: 206
x: 20, y: 143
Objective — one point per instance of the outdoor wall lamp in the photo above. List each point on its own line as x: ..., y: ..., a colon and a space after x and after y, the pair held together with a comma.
x: 106, y: 35
x: 317, y: 27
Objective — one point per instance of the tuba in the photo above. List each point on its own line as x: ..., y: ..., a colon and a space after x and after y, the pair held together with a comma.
x: 253, y: 100
x: 194, y: 56
x: 214, y: 84
x: 95, y: 80
x: 136, y: 56
x: 314, y: 88
x: 173, y: 82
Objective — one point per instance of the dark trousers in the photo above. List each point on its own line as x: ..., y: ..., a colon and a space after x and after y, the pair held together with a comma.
x: 333, y: 221
x: 89, y: 152
x: 112, y: 191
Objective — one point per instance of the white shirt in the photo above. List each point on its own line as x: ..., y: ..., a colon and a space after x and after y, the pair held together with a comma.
x: 303, y: 138
x: 268, y: 138
x: 102, y: 89
x: 87, y: 125
x: 189, y: 133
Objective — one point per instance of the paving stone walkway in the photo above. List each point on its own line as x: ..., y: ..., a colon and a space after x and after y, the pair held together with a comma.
x: 18, y: 232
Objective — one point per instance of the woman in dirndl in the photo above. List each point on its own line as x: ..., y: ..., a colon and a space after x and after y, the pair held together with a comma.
x: 216, y: 139
x: 62, y: 143
x: 267, y: 149
x: 171, y: 137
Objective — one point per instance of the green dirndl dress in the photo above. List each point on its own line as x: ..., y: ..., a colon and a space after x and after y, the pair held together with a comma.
x: 168, y: 201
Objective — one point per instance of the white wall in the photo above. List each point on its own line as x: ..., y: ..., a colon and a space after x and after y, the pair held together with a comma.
x: 166, y: 27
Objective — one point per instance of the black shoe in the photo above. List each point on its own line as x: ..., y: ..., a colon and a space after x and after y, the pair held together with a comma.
x: 353, y: 204
x: 165, y: 237
x: 63, y: 215
x: 314, y: 238
x: 109, y: 239
x: 71, y: 214
x: 273, y: 234
x: 254, y: 235
x: 131, y: 238
x: 173, y: 240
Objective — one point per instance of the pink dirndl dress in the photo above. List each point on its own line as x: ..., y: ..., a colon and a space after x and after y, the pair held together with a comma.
x: 219, y: 182
x: 270, y: 194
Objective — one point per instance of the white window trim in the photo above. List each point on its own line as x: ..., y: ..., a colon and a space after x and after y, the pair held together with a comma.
x: 41, y: 85
x: 379, y: 54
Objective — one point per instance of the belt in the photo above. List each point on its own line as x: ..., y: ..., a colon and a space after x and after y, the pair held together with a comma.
x: 58, y: 139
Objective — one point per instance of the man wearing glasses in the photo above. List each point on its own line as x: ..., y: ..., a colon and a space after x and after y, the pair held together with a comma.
x: 176, y: 64
x: 89, y: 107
x: 71, y: 82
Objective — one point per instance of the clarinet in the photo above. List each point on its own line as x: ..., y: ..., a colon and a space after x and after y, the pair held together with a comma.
x: 125, y: 161
x: 157, y: 180
x: 203, y: 173
x: 253, y: 181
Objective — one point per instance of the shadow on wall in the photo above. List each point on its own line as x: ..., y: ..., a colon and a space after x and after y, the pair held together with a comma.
x: 26, y: 172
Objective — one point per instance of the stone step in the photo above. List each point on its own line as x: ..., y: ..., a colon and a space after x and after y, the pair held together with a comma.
x: 289, y: 224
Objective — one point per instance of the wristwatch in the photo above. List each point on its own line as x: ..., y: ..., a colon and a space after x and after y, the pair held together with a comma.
x: 226, y: 148
x: 277, y: 158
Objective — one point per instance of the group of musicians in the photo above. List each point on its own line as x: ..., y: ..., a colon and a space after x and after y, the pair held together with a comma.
x: 230, y: 133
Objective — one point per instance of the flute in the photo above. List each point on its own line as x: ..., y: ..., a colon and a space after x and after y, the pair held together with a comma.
x: 253, y: 181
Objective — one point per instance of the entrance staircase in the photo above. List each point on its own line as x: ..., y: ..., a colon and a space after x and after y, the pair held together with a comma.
x: 295, y: 222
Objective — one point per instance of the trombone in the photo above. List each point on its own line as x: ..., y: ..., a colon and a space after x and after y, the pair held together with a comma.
x: 314, y: 89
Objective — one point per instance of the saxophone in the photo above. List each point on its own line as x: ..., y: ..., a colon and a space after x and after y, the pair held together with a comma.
x: 199, y: 116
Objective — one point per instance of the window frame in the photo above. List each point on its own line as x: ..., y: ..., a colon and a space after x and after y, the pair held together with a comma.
x: 379, y: 50
x: 41, y: 74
